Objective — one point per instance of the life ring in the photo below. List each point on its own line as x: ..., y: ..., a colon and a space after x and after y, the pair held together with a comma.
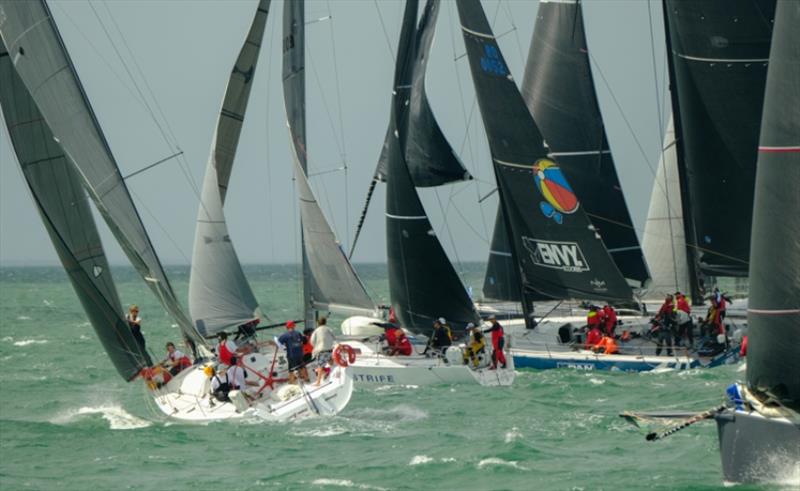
x: 344, y: 355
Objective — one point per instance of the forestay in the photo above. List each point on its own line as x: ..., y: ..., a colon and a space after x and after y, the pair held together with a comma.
x: 718, y: 73
x: 330, y: 282
x: 59, y: 196
x: 773, y: 357
x: 219, y: 295
x: 560, y: 93
x: 429, y: 157
x: 558, y: 250
x: 39, y: 56
x: 422, y: 282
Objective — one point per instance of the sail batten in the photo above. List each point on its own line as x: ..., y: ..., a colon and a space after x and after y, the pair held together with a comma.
x: 63, y: 206
x: 219, y: 295
x: 557, y: 250
x: 42, y: 62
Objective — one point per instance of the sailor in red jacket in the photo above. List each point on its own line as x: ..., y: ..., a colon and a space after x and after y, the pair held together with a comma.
x: 498, y: 342
x: 610, y: 319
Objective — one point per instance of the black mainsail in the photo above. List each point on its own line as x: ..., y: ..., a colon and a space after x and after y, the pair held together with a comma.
x: 718, y: 54
x: 501, y: 281
x: 62, y: 204
x: 219, y: 295
x: 42, y: 62
x: 429, y: 157
x: 422, y: 282
x: 560, y: 93
x: 558, y: 250
x: 329, y: 280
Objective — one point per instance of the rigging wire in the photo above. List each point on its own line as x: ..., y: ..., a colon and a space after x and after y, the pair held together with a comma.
x: 385, y: 32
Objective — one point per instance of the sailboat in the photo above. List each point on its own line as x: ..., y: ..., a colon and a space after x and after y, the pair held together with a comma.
x: 557, y: 248
x: 759, y: 433
x: 220, y: 297
x: 423, y: 284
x: 56, y: 135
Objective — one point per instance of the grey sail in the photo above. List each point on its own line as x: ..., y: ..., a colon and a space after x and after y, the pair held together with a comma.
x: 557, y: 249
x: 664, y: 239
x: 330, y: 282
x: 560, y: 93
x: 219, y: 295
x: 429, y: 157
x: 773, y: 358
x: 763, y: 445
x: 39, y: 56
x: 64, y: 209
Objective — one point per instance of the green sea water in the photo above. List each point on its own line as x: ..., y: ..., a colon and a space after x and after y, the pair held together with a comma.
x: 69, y: 422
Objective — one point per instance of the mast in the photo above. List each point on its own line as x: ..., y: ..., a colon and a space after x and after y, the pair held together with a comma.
x: 695, y: 288
x: 294, y: 76
x: 329, y: 279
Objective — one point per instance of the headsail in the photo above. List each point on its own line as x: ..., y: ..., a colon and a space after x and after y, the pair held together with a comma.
x: 219, y: 295
x: 40, y: 58
x: 664, y: 239
x: 556, y: 246
x: 773, y: 357
x: 429, y: 157
x: 59, y: 196
x: 560, y: 93
x: 719, y: 54
x: 501, y: 281
x: 422, y: 282
x: 330, y: 282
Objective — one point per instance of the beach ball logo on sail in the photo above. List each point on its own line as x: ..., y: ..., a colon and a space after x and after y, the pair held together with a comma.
x: 559, y: 198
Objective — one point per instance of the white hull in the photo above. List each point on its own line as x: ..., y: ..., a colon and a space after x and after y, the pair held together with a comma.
x: 374, y: 368
x: 187, y: 397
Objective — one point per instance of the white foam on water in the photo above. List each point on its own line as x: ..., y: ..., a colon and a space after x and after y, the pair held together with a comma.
x: 448, y: 459
x: 83, y: 337
x: 8, y: 339
x: 402, y: 412
x: 322, y: 432
x: 597, y: 381
x: 420, y: 459
x: 384, y: 388
x: 23, y: 318
x: 48, y: 303
x: 27, y: 342
x: 117, y: 417
x: 497, y: 461
x: 513, y: 434
x: 344, y: 483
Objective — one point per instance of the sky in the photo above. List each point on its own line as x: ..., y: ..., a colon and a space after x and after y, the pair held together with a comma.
x: 177, y: 56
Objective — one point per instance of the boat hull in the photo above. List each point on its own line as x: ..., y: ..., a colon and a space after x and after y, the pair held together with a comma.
x: 375, y: 369
x: 758, y: 449
x: 187, y: 398
x: 584, y: 360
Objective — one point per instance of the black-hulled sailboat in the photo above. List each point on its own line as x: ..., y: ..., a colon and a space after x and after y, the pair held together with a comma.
x: 759, y: 434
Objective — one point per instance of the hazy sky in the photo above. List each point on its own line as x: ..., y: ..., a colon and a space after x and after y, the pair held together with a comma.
x: 185, y: 50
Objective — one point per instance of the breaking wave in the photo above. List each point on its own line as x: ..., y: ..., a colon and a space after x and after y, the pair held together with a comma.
x: 117, y: 417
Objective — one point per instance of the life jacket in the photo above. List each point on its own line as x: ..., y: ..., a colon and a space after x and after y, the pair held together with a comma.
x: 182, y: 362
x: 224, y: 353
x: 608, y: 345
x: 593, y: 318
x: 308, y: 348
x: 404, y: 346
x: 593, y: 338
x: 391, y: 337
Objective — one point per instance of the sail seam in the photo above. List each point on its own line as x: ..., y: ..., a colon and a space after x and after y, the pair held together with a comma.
x: 577, y: 153
x: 510, y: 164
x: 774, y: 311
x: 407, y: 217
x: 722, y: 60
x: 476, y: 33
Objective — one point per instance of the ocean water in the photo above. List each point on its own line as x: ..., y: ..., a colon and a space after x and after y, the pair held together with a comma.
x: 69, y: 422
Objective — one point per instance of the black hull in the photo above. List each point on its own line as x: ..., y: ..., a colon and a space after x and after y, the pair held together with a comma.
x: 758, y: 450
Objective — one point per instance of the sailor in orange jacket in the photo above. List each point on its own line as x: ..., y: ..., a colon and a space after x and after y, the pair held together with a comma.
x: 607, y: 345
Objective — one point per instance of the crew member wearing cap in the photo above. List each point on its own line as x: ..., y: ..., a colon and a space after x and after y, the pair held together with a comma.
x: 293, y: 342
x: 402, y: 345
x: 498, y: 342
x: 441, y: 337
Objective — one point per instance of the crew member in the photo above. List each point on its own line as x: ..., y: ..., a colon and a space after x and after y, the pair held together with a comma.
x: 594, y: 337
x: 594, y: 317
x: 293, y: 342
x: 225, y: 348
x: 322, y: 339
x: 308, y: 348
x: 476, y: 346
x: 683, y: 317
x: 498, y: 342
x: 606, y: 345
x: 441, y: 337
x: 237, y: 376
x: 402, y: 344
x: 610, y: 319
x: 175, y: 360
x: 135, y: 323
